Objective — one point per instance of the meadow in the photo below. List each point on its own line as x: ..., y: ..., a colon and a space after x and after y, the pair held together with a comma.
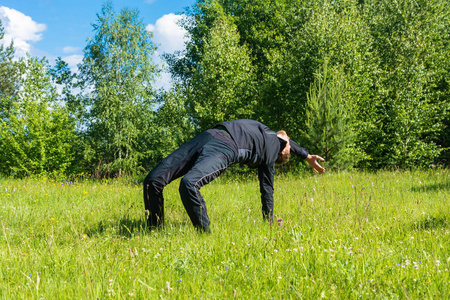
x: 356, y: 235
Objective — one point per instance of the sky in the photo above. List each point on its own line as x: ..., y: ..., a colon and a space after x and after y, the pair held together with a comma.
x: 59, y: 28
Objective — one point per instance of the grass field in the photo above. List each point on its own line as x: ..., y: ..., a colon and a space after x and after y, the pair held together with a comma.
x: 335, y: 236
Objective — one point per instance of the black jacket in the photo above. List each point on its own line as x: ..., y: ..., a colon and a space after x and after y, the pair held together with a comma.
x: 258, y: 147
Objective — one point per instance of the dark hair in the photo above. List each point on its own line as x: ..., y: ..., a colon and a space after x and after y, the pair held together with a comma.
x: 282, y: 158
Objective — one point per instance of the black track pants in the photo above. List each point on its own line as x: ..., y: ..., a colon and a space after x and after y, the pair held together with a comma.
x: 200, y: 161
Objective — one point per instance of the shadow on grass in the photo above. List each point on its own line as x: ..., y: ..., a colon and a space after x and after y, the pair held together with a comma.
x: 127, y: 228
x: 441, y: 186
x: 431, y: 223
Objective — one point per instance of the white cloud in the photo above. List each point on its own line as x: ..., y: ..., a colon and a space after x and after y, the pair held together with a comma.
x: 169, y: 37
x: 21, y: 29
x: 168, y: 34
x: 70, y: 49
x: 73, y: 61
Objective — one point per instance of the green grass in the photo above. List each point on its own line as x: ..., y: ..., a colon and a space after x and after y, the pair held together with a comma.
x: 342, y: 235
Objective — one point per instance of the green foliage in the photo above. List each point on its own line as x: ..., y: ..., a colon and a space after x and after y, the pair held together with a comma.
x: 406, y: 105
x: 245, y: 59
x: 117, y: 66
x: 221, y: 87
x: 37, y: 136
x: 393, y: 55
x: 172, y: 123
x: 330, y: 30
x: 75, y: 103
x: 328, y: 126
x: 9, y: 76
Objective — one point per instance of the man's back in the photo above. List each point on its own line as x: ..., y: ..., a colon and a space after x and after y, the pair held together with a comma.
x: 257, y: 144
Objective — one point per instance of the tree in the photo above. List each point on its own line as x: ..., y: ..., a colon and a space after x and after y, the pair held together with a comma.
x: 393, y: 55
x: 38, y: 134
x: 329, y: 116
x: 222, y: 84
x: 75, y: 102
x: 173, y: 126
x: 9, y: 76
x: 117, y: 66
x: 405, y: 108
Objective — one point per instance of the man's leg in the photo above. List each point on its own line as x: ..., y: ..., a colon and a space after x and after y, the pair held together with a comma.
x: 215, y: 157
x: 170, y: 168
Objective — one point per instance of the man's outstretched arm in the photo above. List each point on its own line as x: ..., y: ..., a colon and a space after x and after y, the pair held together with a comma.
x: 310, y: 159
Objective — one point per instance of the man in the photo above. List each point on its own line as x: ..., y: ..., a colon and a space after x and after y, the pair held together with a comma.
x: 209, y: 154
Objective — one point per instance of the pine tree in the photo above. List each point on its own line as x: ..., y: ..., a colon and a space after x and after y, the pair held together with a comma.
x: 328, y: 119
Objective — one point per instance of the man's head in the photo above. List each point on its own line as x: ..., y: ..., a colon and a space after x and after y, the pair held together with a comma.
x: 285, y: 154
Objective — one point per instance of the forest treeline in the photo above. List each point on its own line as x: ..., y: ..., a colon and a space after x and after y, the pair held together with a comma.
x: 364, y: 84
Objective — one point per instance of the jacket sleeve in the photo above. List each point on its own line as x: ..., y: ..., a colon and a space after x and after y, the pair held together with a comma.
x: 265, y: 175
x: 297, y: 150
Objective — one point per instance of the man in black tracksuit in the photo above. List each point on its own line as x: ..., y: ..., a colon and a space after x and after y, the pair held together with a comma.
x: 209, y: 154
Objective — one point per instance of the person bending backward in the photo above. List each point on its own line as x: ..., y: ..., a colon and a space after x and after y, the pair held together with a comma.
x: 209, y: 154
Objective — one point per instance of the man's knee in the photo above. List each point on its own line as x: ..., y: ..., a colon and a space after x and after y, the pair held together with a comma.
x: 187, y: 189
x: 152, y: 183
x: 186, y: 185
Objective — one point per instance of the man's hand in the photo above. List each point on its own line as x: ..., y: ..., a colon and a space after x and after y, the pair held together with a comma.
x: 312, y: 161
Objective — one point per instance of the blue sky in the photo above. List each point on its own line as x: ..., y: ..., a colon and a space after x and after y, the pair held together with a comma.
x: 59, y: 28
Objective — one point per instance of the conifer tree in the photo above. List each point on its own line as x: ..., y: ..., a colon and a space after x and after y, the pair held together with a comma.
x: 328, y: 123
